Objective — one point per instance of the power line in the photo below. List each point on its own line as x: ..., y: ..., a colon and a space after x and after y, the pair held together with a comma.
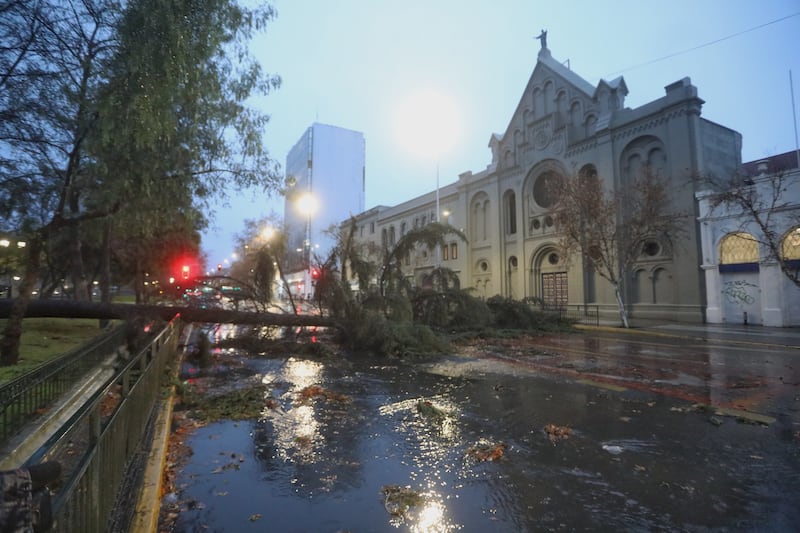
x: 704, y: 44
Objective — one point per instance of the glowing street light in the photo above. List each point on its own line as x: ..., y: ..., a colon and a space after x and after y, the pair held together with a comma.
x: 267, y: 233
x: 307, y: 204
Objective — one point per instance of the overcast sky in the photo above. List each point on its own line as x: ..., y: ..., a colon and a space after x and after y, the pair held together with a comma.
x: 358, y: 64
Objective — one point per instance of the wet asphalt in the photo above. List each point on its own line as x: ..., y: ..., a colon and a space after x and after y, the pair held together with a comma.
x: 694, y: 429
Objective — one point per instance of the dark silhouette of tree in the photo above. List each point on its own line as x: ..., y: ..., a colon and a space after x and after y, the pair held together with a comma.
x: 609, y: 228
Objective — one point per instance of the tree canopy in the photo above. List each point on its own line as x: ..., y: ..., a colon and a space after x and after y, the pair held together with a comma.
x: 132, y: 112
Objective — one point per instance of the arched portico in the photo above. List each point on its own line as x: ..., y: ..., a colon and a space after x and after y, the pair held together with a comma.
x: 549, y: 279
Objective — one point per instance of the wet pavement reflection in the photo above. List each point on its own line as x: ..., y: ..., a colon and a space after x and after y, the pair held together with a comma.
x: 655, y: 436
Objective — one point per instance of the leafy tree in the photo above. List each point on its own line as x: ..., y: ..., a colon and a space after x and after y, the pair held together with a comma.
x: 143, y: 100
x: 263, y: 260
x: 609, y: 228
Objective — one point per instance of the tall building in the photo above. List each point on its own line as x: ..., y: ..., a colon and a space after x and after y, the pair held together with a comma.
x: 325, y: 185
x: 564, y: 125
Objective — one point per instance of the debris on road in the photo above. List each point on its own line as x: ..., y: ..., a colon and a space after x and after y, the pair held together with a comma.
x: 398, y: 500
x: 428, y: 410
x: 555, y: 432
x: 315, y: 391
x: 485, y: 451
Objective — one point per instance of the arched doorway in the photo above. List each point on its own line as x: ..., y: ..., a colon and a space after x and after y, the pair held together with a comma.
x: 549, y: 277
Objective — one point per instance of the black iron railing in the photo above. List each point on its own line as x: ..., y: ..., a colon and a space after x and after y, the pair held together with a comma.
x: 99, y: 441
x: 31, y: 394
x: 580, y: 314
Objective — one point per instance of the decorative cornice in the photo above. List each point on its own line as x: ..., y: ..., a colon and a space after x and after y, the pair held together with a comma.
x: 630, y: 131
x: 583, y: 146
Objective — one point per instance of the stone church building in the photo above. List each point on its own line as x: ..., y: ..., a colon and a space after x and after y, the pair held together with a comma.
x: 563, y: 125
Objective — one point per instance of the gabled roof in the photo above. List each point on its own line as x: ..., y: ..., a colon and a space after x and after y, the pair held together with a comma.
x: 546, y: 59
x: 617, y: 84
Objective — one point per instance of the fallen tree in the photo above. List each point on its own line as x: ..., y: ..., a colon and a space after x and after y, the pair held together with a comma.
x: 76, y: 309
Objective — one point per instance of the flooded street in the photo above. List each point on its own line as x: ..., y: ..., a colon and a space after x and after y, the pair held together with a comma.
x: 572, y: 432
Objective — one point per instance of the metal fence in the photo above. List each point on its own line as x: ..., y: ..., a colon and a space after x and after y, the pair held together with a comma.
x: 580, y: 314
x: 97, y: 443
x: 23, y: 398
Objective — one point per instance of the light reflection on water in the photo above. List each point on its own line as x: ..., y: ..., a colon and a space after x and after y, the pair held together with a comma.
x: 430, y: 442
x: 433, y: 517
x: 297, y: 435
x: 320, y: 465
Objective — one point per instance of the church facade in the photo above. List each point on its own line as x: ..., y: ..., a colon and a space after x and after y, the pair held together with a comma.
x: 564, y: 125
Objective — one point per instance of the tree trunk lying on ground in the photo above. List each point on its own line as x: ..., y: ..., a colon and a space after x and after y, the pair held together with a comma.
x: 75, y: 309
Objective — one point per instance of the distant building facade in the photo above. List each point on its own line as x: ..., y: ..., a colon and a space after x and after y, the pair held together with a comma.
x: 744, y: 280
x: 325, y: 174
x: 561, y: 126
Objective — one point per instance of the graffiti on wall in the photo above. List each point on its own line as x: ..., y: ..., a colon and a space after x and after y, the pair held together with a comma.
x: 739, y: 292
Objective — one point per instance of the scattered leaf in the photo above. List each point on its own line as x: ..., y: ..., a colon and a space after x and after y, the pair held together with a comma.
x: 555, y: 432
x: 255, y: 517
x: 315, y: 391
x: 487, y: 452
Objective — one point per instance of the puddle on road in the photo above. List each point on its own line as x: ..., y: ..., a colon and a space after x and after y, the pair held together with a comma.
x: 324, y: 463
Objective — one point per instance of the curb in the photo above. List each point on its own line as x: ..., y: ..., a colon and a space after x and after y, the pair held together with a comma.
x: 148, y: 505
x: 145, y: 519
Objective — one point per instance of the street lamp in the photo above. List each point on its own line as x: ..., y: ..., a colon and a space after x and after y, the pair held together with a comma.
x: 267, y: 233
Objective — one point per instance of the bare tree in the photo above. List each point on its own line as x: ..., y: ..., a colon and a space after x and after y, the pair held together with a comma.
x: 609, y: 228
x: 771, y: 203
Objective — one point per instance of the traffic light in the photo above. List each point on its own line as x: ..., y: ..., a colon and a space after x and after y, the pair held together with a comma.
x: 185, y: 271
x: 219, y: 267
x: 315, y: 274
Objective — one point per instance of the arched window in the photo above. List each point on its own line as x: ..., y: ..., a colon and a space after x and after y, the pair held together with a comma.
x: 738, y: 252
x: 640, y: 292
x: 790, y: 245
x: 544, y: 188
x: 549, y: 97
x: 479, y: 213
x: 644, y: 154
x: 663, y: 291
x: 510, y: 212
x: 591, y: 122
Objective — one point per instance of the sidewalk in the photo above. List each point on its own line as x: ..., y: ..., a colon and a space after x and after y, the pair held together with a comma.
x: 757, y: 335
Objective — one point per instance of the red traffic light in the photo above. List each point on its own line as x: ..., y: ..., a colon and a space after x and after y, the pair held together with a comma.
x: 185, y: 271
x: 314, y: 273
